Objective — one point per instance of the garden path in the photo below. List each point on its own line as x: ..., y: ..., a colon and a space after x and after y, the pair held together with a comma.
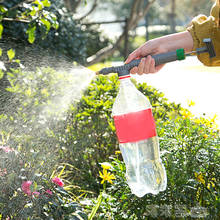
x: 181, y: 81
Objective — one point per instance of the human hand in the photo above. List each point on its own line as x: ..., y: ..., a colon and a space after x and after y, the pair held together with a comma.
x: 158, y: 45
x: 144, y: 52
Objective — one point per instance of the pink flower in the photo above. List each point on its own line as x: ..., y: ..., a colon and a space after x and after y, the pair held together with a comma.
x: 3, y: 172
x: 6, y: 149
x: 58, y: 181
x: 49, y: 192
x: 26, y: 187
x: 35, y: 194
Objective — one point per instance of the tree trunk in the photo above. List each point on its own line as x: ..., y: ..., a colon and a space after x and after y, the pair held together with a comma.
x: 72, y: 5
x: 126, y: 40
x: 173, y: 16
x: 136, y: 14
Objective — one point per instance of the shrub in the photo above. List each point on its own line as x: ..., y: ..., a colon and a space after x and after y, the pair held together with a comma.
x: 50, y: 27
x: 30, y: 124
x: 190, y: 153
x: 90, y: 134
x: 26, y: 192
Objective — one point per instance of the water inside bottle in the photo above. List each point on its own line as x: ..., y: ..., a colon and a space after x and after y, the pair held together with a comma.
x: 144, y: 171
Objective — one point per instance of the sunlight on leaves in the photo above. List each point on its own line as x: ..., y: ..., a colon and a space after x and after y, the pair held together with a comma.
x: 31, y: 34
x: 11, y: 54
x: 1, y: 30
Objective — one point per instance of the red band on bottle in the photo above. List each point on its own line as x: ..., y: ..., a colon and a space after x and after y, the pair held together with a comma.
x: 135, y: 126
x: 124, y: 77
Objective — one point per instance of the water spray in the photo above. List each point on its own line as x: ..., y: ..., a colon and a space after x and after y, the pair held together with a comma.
x: 162, y: 58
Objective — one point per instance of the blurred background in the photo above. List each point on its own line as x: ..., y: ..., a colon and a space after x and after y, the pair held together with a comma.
x: 113, y: 28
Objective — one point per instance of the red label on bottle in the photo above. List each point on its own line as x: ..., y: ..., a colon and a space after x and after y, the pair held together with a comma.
x: 135, y: 126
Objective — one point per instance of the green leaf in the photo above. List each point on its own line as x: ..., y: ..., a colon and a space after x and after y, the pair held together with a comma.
x: 1, y: 30
x: 39, y: 3
x: 96, y: 207
x: 31, y: 34
x: 14, y: 89
x: 1, y: 74
x: 33, y: 11
x: 0, y: 51
x: 46, y: 3
x: 46, y: 23
x: 17, y: 61
x: 3, y: 9
x: 11, y: 54
x: 56, y: 25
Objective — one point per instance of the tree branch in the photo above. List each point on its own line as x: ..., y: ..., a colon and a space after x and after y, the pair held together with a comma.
x: 133, y: 12
x: 16, y: 19
x: 90, y: 11
x: 19, y: 4
x: 142, y: 14
x: 105, y: 22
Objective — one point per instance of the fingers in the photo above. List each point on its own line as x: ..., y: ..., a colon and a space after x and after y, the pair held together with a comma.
x: 134, y: 55
x: 147, y: 65
x: 134, y: 70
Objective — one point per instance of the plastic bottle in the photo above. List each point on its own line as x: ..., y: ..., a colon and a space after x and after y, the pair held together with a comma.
x: 138, y: 141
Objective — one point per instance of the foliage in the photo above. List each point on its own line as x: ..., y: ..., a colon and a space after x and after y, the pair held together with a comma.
x: 28, y: 15
x: 189, y: 148
x: 49, y: 25
x: 26, y: 192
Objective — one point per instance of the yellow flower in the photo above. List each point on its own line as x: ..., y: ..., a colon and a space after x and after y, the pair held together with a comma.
x: 199, y: 178
x: 45, y: 92
x: 186, y: 114
x: 205, y: 136
x: 190, y: 103
x: 197, y: 120
x: 211, y: 184
x: 106, y: 165
x: 214, y: 118
x: 106, y: 176
x: 117, y: 152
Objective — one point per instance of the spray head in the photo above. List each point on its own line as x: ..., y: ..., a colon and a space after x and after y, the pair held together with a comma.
x: 120, y: 70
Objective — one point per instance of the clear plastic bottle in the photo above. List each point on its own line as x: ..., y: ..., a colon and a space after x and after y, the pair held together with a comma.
x: 138, y: 141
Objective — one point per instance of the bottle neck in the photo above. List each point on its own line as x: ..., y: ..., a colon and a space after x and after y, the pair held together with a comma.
x: 125, y: 80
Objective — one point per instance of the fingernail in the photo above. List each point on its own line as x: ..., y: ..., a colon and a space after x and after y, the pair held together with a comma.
x: 126, y: 61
